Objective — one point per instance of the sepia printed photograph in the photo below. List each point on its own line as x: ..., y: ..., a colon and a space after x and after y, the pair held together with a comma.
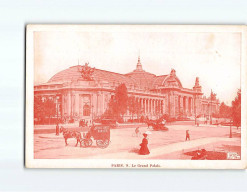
x: 135, y: 96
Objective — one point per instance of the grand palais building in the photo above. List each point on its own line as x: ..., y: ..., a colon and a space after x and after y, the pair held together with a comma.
x: 82, y: 92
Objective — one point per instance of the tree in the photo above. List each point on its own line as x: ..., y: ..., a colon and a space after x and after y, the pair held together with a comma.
x: 224, y: 111
x: 38, y: 108
x: 111, y: 110
x: 121, y: 98
x: 49, y: 108
x: 134, y: 106
x: 236, y: 109
x: 118, y: 103
x: 131, y: 105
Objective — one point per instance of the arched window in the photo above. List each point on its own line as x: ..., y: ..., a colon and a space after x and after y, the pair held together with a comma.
x: 86, y: 110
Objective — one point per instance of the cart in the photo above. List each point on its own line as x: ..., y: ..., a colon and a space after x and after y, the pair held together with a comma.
x: 159, y: 126
x: 82, y: 123
x: 100, y: 133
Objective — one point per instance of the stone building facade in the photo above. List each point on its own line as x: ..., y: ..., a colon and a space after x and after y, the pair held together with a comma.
x: 82, y: 92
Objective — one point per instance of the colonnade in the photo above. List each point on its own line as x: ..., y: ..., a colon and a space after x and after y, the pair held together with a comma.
x: 150, y: 106
x: 186, y: 105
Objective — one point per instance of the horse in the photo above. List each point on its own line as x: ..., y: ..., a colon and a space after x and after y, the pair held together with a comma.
x: 71, y: 134
x: 150, y: 123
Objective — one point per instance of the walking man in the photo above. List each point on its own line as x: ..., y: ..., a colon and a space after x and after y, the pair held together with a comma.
x: 137, y: 131
x: 187, y: 135
x: 57, y: 129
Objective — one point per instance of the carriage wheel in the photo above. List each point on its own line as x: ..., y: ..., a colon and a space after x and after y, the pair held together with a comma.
x: 102, y: 143
x: 87, y: 142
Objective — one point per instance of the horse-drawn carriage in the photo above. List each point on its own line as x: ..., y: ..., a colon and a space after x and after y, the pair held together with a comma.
x: 100, y: 133
x: 157, y: 125
x: 82, y: 123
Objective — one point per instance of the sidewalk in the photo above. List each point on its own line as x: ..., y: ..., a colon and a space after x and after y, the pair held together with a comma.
x: 167, y: 149
x: 54, y: 126
x: 75, y: 125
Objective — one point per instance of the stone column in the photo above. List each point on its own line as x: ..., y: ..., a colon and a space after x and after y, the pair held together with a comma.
x: 63, y: 105
x: 153, y: 106
x: 167, y: 104
x: 195, y: 106
x: 149, y: 106
x: 176, y: 106
x: 182, y: 104
x: 97, y: 104
x: 155, y: 109
x: 69, y: 104
x: 187, y: 105
x: 141, y: 104
x: 76, y: 110
x: 164, y: 106
x: 103, y: 103
x: 159, y: 106
x: 144, y: 105
x: 73, y: 105
x: 192, y: 106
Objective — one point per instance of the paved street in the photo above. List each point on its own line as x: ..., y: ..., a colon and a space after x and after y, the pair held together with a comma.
x: 162, y: 144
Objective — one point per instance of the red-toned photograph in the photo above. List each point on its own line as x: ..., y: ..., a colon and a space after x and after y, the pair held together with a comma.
x: 134, y: 96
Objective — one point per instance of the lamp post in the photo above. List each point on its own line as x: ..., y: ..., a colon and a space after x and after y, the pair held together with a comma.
x: 169, y: 103
x: 211, y: 107
x: 230, y: 135
x: 195, y: 109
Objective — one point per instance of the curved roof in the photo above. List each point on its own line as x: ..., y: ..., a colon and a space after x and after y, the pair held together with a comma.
x: 68, y: 74
x: 72, y: 74
x: 158, y: 81
x: 142, y: 79
x: 137, y: 78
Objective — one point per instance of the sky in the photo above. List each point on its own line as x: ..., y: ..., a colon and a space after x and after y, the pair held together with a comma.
x: 213, y: 57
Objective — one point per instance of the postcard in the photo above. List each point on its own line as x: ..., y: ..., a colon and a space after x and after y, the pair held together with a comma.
x: 136, y: 96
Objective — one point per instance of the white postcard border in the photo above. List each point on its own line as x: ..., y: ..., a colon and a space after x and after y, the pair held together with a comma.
x: 30, y: 162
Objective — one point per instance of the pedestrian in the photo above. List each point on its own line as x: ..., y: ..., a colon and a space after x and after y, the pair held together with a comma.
x: 137, y: 131
x: 163, y: 122
x: 144, y: 145
x: 57, y: 129
x: 187, y: 135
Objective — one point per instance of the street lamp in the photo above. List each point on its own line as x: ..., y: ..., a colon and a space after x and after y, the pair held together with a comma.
x: 195, y: 109
x: 230, y: 135
x: 211, y: 107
